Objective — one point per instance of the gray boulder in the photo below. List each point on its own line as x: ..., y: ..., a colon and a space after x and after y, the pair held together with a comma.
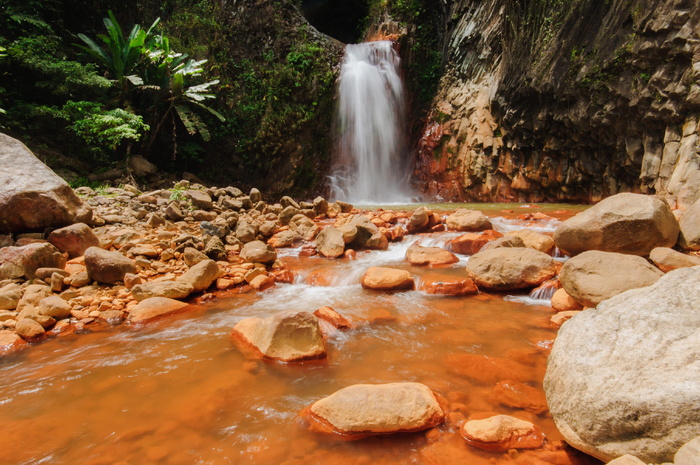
x: 31, y: 195
x: 623, y: 378
x: 624, y: 223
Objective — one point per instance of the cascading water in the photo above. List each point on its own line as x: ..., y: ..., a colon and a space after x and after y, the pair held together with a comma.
x: 369, y: 167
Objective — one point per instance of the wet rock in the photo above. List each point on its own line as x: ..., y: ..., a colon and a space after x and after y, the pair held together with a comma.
x: 562, y: 301
x: 330, y: 242
x: 689, y: 453
x: 467, y: 220
x: 31, y: 195
x: 518, y: 395
x: 305, y: 227
x: 29, y: 330
x: 689, y: 238
x: 16, y: 262
x: 367, y: 409
x: 336, y: 320
x: 262, y: 282
x: 624, y: 223
x: 667, y: 259
x: 501, y: 433
x: 534, y: 240
x: 429, y: 256
x: 285, y: 336
x: 10, y: 342
x: 259, y: 252
x: 619, y: 378
x: 377, y: 241
x: 107, y: 267
x: 595, y: 276
x: 171, y: 289
x: 487, y: 370
x: 201, y: 275
x: 452, y: 287
x: 419, y: 220
x: 472, y: 242
x: 193, y: 256
x: 55, y: 307
x: 155, y: 307
x: 387, y: 279
x: 9, y: 296
x: 74, y: 239
x: 504, y: 269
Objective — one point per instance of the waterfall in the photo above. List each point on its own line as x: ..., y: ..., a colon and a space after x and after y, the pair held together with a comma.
x: 369, y: 166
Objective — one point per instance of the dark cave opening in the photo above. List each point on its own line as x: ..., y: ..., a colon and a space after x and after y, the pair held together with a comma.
x: 344, y: 20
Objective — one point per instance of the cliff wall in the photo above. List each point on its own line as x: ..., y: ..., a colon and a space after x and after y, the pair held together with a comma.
x: 544, y: 100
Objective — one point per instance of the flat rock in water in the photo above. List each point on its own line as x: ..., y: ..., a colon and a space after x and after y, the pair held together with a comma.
x: 501, y: 433
x: 387, y: 279
x: 32, y: 197
x: 594, y: 276
x: 429, y: 256
x: 286, y: 336
x: 623, y: 223
x: 623, y: 378
x: 366, y: 409
x: 154, y: 307
x: 508, y: 268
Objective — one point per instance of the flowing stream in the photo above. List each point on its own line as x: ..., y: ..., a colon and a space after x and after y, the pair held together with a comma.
x: 178, y: 391
x: 369, y: 166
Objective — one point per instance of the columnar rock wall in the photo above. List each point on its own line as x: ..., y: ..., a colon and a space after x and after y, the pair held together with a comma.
x: 574, y: 101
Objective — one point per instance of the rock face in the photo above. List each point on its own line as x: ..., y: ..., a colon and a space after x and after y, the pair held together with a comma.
x: 107, y: 267
x: 622, y: 378
x: 74, y: 239
x: 624, y: 223
x: 502, y: 432
x: 503, y: 269
x: 594, y: 276
x: 31, y: 195
x: 286, y: 336
x: 690, y: 228
x: 16, y: 262
x: 429, y: 256
x: 387, y: 279
x: 366, y: 409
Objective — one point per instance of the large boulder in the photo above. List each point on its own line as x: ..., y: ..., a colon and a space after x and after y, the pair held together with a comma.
x: 689, y: 238
x: 429, y: 256
x: 201, y: 275
x: 534, y: 240
x: 367, y: 409
x: 504, y: 269
x: 623, y: 378
x: 625, y: 223
x: 259, y: 252
x: 31, y: 195
x: 107, y: 267
x: 16, y: 262
x: 330, y: 242
x: 74, y: 239
x: 286, y: 336
x: 467, y: 220
x: 387, y: 279
x: 594, y: 276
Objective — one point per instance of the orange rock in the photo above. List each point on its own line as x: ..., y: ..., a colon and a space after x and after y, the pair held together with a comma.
x: 350, y: 254
x: 429, y: 256
x: 519, y: 395
x: 471, y: 242
x: 562, y: 301
x: 262, y: 282
x: 487, y: 370
x: 283, y: 276
x: 501, y: 433
x: 456, y: 287
x: 334, y: 318
x: 397, y: 233
x: 387, y: 279
x: 379, y: 316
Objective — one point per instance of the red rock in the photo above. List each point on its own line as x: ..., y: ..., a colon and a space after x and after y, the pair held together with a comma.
x: 470, y: 243
x: 334, y: 318
x: 519, y: 395
x: 487, y: 370
x: 501, y: 433
x: 456, y: 287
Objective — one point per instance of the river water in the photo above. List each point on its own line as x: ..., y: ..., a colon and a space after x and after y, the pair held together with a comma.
x: 178, y: 391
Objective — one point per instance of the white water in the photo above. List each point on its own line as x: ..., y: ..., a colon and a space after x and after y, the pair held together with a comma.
x: 369, y: 167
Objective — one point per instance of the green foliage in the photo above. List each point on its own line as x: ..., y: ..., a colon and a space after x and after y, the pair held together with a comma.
x: 103, y: 129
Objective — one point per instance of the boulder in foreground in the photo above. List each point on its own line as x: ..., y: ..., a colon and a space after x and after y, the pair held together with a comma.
x: 286, y: 336
x: 623, y: 378
x: 32, y: 196
x: 624, y: 223
x: 367, y: 409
